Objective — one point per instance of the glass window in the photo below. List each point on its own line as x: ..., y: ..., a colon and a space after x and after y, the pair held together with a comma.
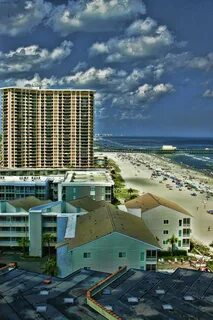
x: 166, y: 221
x: 151, y: 254
x: 179, y: 233
x: 150, y: 267
x: 180, y: 223
x: 122, y: 254
x: 165, y: 231
x: 179, y: 243
x: 87, y: 255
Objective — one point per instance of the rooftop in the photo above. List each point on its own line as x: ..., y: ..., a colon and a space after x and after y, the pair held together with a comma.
x: 28, y: 202
x: 23, y: 292
x: 45, y: 89
x: 91, y: 177
x: 19, y: 179
x: 185, y: 294
x: 149, y: 201
x: 106, y: 220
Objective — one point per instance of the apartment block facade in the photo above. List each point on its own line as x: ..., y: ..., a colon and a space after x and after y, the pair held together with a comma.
x: 47, y: 128
x: 72, y: 185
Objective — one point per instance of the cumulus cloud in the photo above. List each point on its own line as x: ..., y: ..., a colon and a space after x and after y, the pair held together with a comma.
x: 149, y: 92
x: 25, y: 59
x: 142, y: 39
x: 94, y: 15
x: 36, y: 81
x: 21, y: 16
x: 208, y: 93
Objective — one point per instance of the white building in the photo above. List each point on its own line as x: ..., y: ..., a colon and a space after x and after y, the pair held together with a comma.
x: 164, y: 218
x: 68, y: 186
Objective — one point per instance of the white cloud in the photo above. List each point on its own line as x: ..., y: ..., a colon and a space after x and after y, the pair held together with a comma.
x: 141, y: 27
x: 143, y: 39
x: 94, y: 15
x: 90, y: 77
x: 21, y: 16
x: 149, y: 92
x: 25, y: 59
x: 208, y: 93
x: 36, y: 81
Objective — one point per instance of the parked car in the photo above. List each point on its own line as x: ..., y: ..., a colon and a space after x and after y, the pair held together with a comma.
x: 194, y: 194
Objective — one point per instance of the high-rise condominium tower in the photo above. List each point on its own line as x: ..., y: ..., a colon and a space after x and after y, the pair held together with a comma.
x: 47, y: 128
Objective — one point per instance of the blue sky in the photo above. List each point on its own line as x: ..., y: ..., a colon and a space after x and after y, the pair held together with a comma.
x: 150, y: 61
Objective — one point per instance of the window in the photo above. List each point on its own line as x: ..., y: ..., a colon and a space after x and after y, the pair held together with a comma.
x: 165, y: 231
x: 180, y: 223
x: 150, y: 267
x: 179, y: 243
x: 142, y: 256
x: 165, y: 241
x: 122, y: 254
x: 87, y: 255
x: 185, y: 242
x: 166, y: 221
x: 179, y: 233
x: 186, y: 233
x: 186, y: 221
x: 151, y: 254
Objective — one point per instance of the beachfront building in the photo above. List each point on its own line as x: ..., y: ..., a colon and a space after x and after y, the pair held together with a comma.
x: 164, y: 218
x: 105, y: 239
x: 14, y: 187
x: 31, y: 218
x: 68, y: 186
x: 97, y: 184
x: 47, y: 127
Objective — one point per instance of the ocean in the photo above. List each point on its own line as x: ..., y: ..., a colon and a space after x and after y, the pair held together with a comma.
x: 197, y: 161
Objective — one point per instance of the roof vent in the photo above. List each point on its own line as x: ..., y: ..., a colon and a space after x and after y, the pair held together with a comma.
x: 44, y: 292
x: 167, y: 307
x: 188, y: 298
x: 160, y: 291
x: 108, y: 307
x: 69, y: 300
x: 41, y: 309
x: 132, y: 300
x: 106, y: 291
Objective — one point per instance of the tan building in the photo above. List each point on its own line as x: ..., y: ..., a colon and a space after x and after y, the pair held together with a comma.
x: 164, y: 218
x: 47, y: 127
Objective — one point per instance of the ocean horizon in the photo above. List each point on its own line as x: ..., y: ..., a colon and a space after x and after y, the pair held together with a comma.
x: 197, y: 161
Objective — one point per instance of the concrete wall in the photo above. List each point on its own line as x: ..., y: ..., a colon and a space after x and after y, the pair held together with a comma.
x: 104, y: 254
x: 35, y: 234
x: 154, y: 220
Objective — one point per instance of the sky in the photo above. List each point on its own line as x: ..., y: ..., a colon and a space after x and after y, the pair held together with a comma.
x: 150, y: 61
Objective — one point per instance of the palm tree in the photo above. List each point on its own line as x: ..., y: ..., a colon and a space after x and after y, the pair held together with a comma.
x: 50, y: 267
x: 23, y: 243
x: 48, y: 238
x: 130, y: 191
x: 173, y: 240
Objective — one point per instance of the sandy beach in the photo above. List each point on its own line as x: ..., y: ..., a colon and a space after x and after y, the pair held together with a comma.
x: 157, y: 175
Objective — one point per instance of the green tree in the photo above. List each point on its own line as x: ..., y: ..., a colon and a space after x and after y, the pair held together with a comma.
x: 130, y: 191
x: 173, y: 240
x: 24, y: 244
x: 50, y: 267
x: 47, y: 239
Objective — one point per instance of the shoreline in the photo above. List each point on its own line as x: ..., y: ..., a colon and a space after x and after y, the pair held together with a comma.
x: 146, y: 173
